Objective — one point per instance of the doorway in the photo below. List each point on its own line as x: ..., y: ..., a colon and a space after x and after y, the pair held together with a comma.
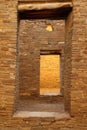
x: 50, y: 74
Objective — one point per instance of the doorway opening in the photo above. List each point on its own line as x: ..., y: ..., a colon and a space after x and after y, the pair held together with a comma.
x: 29, y: 102
x: 50, y: 74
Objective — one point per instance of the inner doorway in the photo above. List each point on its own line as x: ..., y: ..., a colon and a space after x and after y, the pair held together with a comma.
x: 50, y: 74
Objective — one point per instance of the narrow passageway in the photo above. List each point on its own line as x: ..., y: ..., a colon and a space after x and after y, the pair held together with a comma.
x: 49, y: 74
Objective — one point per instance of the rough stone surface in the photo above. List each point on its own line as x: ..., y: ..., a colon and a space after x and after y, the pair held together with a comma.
x: 36, y: 36
x: 75, y: 73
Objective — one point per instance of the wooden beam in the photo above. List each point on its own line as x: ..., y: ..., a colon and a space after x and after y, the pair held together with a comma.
x: 43, y: 6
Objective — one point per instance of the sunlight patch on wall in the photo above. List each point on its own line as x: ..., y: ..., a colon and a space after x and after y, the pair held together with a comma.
x: 49, y: 74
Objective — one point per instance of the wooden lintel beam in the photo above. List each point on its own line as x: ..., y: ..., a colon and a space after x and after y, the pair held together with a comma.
x: 43, y: 6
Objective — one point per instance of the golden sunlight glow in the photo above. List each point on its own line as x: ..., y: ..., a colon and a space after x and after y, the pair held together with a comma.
x: 49, y: 28
x: 49, y: 74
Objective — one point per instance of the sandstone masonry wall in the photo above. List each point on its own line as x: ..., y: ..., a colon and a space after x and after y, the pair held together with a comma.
x: 35, y: 37
x: 77, y: 72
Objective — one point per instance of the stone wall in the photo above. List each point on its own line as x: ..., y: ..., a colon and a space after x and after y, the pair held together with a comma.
x: 8, y: 42
x: 68, y: 61
x: 78, y: 72
x: 79, y: 58
x: 36, y: 36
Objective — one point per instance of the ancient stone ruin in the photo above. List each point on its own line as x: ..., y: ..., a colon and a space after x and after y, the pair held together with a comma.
x: 43, y: 64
